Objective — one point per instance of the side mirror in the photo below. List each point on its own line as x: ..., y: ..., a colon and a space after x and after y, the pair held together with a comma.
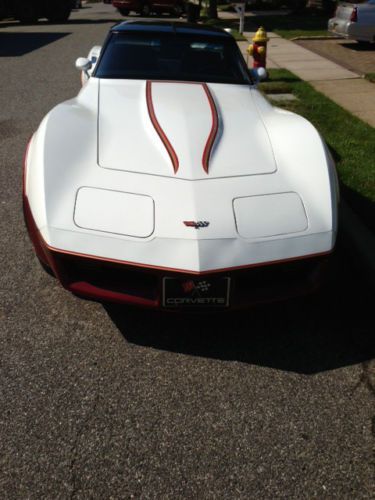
x: 258, y: 74
x: 83, y: 64
x: 94, y: 55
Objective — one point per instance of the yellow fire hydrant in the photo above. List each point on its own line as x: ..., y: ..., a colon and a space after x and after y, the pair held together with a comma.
x: 258, y: 49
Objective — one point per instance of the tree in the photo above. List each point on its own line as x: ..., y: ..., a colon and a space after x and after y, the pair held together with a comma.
x: 212, y: 9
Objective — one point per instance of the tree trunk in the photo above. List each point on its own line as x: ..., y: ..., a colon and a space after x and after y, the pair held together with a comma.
x: 212, y: 9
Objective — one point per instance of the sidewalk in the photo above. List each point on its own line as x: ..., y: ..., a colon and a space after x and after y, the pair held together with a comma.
x: 342, y: 86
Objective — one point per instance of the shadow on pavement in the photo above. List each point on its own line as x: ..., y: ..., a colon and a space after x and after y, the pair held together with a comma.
x: 19, y: 44
x: 364, y: 207
x: 41, y: 23
x: 116, y: 20
x: 360, y: 47
x: 82, y: 21
x: 309, y: 335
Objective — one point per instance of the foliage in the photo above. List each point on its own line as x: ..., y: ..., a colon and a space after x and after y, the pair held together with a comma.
x: 370, y: 77
x: 224, y: 23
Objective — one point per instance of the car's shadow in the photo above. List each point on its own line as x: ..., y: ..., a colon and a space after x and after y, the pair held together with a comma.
x: 310, y: 335
x: 360, y: 47
x: 12, y: 23
x: 97, y: 20
x: 21, y: 43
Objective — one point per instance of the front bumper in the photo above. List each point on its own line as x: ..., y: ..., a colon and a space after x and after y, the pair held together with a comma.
x: 107, y: 281
x: 103, y: 280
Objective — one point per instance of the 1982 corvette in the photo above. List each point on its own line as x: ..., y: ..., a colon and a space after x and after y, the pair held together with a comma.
x: 170, y: 181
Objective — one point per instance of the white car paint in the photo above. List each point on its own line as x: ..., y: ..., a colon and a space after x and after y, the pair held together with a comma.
x: 128, y: 140
x: 93, y: 59
x: 273, y: 215
x: 114, y: 212
x: 92, y: 151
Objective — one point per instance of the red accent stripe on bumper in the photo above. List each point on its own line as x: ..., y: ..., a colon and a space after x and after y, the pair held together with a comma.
x: 90, y: 291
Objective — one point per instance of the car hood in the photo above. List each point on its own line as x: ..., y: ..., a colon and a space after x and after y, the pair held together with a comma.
x: 182, y: 130
x: 175, y: 218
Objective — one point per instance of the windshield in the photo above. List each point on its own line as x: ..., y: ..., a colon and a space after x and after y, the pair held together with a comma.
x: 170, y: 56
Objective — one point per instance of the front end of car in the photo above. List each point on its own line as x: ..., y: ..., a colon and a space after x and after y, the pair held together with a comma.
x: 113, y: 281
x: 188, y: 271
x: 179, y: 194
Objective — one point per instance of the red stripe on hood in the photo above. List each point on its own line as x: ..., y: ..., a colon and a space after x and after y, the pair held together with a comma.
x: 159, y: 130
x: 214, y: 129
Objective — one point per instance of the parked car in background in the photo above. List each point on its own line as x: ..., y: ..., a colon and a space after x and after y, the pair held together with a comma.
x: 147, y: 7
x: 355, y: 21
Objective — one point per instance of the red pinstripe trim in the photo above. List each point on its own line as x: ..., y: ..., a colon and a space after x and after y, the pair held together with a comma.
x: 214, y: 128
x: 159, y: 130
x: 90, y: 291
x: 185, y: 271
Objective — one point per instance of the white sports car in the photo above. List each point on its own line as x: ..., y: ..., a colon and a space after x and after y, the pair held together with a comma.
x: 170, y: 181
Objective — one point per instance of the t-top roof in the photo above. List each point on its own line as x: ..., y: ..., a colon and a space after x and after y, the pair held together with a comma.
x: 169, y: 27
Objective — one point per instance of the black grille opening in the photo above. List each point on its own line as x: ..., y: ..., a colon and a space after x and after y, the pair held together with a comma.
x: 110, y: 276
x: 256, y: 284
x: 279, y: 279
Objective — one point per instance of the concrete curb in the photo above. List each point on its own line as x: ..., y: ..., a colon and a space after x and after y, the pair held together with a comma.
x: 328, y: 37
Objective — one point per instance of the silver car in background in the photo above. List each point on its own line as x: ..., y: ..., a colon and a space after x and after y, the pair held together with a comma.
x: 355, y: 21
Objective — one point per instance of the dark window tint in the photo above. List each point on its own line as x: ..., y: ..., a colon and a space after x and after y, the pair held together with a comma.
x: 166, y: 56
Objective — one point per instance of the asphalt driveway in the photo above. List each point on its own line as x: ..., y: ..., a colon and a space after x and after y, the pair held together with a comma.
x: 111, y: 402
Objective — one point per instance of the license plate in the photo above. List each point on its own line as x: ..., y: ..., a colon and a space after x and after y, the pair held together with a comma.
x: 196, y: 292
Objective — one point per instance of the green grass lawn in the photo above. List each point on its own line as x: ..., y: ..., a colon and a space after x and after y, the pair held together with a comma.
x: 370, y: 77
x: 291, y: 25
x: 224, y: 23
x: 352, y: 142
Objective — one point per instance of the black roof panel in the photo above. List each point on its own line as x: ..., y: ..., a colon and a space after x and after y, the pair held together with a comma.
x: 169, y: 27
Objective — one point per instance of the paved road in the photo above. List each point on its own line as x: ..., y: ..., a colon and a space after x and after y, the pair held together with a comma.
x: 108, y: 402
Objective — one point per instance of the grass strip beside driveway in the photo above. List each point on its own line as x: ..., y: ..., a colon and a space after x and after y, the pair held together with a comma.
x: 232, y: 24
x: 291, y: 25
x: 352, y: 142
x: 370, y: 77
